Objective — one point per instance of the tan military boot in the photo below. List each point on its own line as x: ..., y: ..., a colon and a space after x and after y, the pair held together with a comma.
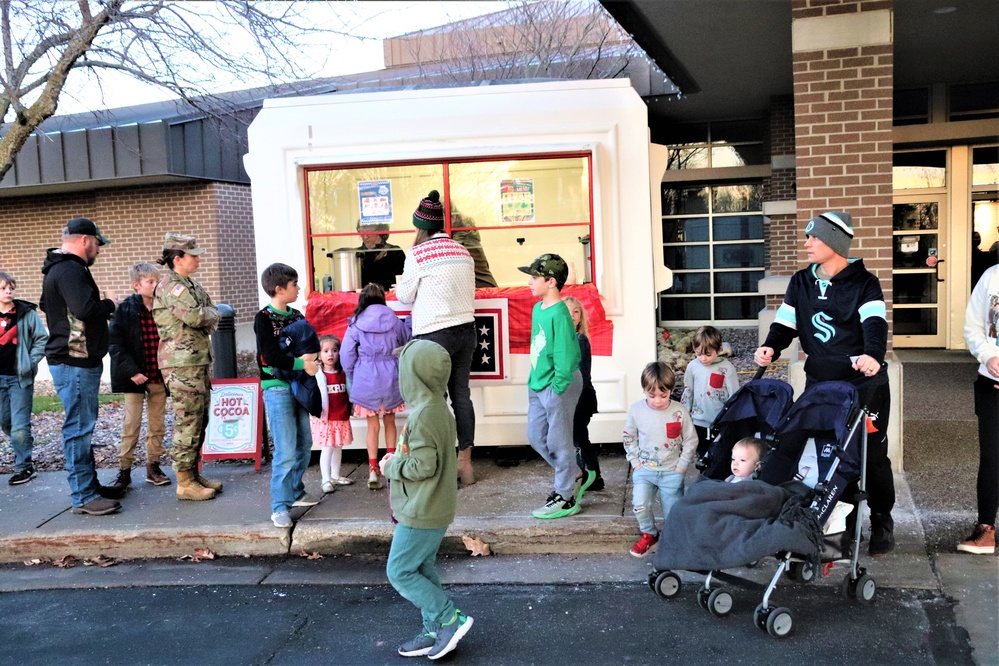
x: 208, y: 483
x: 188, y: 487
x: 466, y: 475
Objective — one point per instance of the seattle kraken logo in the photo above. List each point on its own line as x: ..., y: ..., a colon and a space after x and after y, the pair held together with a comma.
x: 823, y: 331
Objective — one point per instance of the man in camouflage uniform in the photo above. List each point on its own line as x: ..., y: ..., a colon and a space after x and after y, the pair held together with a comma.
x: 186, y: 317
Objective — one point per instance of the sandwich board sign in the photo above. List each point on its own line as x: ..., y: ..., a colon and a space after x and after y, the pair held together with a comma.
x: 235, y: 420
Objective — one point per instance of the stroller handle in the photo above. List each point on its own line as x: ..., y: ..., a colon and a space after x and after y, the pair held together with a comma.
x: 760, y: 371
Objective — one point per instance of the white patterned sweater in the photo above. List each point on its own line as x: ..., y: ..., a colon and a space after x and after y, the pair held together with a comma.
x: 439, y: 282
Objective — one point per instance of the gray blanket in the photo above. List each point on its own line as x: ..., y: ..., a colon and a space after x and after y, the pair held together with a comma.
x: 718, y: 525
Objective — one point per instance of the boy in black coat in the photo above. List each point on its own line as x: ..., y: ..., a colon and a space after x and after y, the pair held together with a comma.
x: 134, y: 340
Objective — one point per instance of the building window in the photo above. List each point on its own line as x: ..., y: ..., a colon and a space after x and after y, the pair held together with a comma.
x: 919, y: 170
x: 518, y: 206
x: 717, y: 144
x: 974, y: 101
x: 713, y: 243
x: 911, y: 107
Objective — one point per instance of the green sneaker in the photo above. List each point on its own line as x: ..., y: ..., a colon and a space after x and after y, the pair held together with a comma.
x: 556, y: 507
x: 583, y: 484
x: 418, y: 646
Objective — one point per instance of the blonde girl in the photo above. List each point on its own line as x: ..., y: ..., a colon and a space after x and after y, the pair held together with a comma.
x: 331, y: 431
x: 586, y: 455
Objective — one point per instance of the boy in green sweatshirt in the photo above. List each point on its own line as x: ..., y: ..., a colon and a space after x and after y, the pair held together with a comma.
x: 424, y: 495
x: 554, y: 386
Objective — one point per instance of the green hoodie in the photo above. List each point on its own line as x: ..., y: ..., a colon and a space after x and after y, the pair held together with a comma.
x: 423, y: 471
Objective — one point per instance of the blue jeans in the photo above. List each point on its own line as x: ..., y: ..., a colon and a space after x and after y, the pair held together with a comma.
x: 459, y: 341
x: 15, y: 419
x: 289, y: 425
x: 77, y: 389
x: 412, y: 570
x: 549, y: 430
x: 645, y: 482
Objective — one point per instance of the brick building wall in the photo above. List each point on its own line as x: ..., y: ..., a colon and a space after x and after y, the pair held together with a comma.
x: 234, y: 212
x: 135, y: 219
x: 843, y: 121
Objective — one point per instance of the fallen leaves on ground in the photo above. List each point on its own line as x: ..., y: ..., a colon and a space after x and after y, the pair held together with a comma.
x: 476, y: 545
x: 100, y: 561
x: 37, y: 560
x: 65, y: 562
x: 310, y: 556
x: 199, y: 554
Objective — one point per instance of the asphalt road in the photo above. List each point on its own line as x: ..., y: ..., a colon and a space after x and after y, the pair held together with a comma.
x: 608, y: 623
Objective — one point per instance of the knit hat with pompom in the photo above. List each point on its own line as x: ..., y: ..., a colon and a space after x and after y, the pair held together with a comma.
x: 429, y: 215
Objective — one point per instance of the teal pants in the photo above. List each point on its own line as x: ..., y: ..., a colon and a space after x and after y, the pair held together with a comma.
x: 412, y: 570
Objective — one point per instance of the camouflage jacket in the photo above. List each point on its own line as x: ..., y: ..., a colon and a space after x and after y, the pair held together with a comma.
x: 185, y: 317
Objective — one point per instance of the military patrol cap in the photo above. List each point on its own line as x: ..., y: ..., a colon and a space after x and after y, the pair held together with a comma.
x: 84, y: 227
x: 548, y: 266
x: 186, y: 244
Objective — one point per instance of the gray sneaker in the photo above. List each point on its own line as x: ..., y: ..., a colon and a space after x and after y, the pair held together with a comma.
x: 306, y: 500
x: 281, y: 519
x: 418, y: 646
x: 98, y: 507
x: 450, y: 634
x: 556, y: 507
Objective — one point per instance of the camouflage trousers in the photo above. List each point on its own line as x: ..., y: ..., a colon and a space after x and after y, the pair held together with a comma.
x: 190, y: 388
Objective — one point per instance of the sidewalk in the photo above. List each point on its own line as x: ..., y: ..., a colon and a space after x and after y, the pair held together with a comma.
x: 35, y: 520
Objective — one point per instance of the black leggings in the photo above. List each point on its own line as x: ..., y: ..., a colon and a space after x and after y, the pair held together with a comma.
x: 987, y: 410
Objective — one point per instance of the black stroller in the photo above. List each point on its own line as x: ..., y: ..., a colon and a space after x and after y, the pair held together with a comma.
x: 818, y: 449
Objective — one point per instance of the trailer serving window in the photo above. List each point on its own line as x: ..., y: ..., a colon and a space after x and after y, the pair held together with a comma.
x: 518, y: 206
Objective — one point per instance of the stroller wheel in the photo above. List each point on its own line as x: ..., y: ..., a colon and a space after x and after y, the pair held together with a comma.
x: 702, y: 598
x: 803, y: 571
x: 719, y: 603
x: 865, y: 588
x: 780, y: 623
x: 848, y: 587
x: 760, y: 616
x: 652, y: 579
x: 667, y: 585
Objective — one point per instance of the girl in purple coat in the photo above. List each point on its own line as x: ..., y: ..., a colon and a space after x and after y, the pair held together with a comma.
x: 373, y: 333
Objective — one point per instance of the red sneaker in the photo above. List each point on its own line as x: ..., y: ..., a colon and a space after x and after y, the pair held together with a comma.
x: 981, y: 542
x: 644, y: 545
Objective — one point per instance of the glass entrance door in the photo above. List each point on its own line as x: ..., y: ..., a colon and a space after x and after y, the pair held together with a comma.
x: 919, y: 256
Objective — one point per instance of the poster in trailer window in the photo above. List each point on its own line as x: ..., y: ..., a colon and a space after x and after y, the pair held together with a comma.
x: 375, y: 199
x: 517, y: 200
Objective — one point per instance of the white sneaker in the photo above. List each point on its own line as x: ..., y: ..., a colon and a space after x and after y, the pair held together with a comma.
x: 375, y: 480
x: 281, y: 519
x: 306, y: 500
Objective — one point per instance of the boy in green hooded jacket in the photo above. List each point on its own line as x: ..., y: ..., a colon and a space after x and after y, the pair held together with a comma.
x: 424, y: 495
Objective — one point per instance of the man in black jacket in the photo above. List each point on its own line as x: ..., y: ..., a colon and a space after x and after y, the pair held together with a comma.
x: 836, y: 309
x: 78, y: 340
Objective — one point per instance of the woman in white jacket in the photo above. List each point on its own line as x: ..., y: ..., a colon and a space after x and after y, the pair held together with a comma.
x: 981, y: 325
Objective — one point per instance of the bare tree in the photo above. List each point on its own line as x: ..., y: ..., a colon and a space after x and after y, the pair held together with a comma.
x: 180, y: 46
x: 563, y: 39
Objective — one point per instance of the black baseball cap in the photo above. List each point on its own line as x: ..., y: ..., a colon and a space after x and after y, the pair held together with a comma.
x: 85, y: 227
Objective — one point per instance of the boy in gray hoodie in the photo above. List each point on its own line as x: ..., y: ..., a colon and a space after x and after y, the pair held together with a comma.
x: 424, y: 496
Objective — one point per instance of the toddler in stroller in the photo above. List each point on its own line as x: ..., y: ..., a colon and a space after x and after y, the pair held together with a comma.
x: 815, y: 451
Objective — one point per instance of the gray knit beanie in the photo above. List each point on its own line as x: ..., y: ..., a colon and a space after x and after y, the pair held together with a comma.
x: 833, y: 229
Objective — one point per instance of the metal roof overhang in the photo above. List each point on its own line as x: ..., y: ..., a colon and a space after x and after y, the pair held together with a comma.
x: 729, y: 57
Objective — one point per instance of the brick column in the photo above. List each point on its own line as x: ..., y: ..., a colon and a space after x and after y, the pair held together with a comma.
x: 843, y: 119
